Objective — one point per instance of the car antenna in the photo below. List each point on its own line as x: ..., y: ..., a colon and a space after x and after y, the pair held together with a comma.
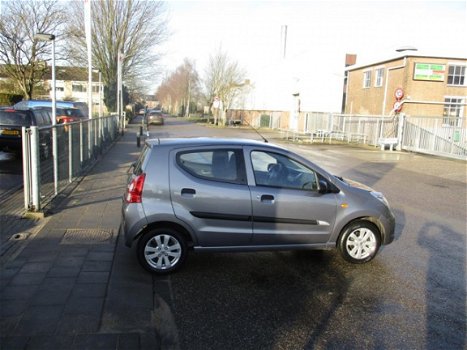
x: 256, y: 130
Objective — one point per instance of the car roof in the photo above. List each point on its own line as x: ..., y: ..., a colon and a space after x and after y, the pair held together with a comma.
x: 27, y: 104
x: 207, y: 141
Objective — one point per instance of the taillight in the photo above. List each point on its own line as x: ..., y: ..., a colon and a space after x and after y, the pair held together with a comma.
x: 134, y: 192
x: 62, y: 119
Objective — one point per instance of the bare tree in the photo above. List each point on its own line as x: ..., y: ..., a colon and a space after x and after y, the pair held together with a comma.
x: 134, y: 27
x: 23, y: 58
x: 179, y: 89
x: 224, y: 80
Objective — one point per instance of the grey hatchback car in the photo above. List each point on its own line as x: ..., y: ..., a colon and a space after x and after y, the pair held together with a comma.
x: 210, y: 194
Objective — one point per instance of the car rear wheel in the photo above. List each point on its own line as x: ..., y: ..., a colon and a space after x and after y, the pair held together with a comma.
x: 162, y: 251
x: 359, y: 242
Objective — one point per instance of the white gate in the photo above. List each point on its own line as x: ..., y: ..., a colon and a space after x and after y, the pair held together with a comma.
x: 429, y: 135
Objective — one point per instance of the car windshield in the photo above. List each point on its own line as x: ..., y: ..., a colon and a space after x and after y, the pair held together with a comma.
x: 14, y: 118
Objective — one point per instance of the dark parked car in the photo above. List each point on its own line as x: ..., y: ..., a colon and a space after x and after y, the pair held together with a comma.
x: 11, y: 123
x: 28, y: 104
x: 66, y: 114
x: 154, y: 116
x: 241, y: 195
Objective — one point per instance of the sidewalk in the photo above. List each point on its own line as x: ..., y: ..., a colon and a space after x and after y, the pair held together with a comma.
x: 73, y: 285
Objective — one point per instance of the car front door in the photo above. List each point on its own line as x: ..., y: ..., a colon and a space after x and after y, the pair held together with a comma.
x: 210, y: 193
x: 287, y: 207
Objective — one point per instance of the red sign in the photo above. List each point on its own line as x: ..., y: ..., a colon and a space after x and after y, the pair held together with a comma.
x: 399, y: 93
x: 397, y: 106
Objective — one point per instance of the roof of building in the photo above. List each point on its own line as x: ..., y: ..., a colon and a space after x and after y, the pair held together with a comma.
x: 399, y: 57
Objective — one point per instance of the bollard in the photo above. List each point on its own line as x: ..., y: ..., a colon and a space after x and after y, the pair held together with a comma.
x: 138, y: 140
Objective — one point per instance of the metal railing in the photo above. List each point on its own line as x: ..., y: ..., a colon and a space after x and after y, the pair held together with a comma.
x: 325, y: 127
x: 78, y: 146
x: 431, y: 135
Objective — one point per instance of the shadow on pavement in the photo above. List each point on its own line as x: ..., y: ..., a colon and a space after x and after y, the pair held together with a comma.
x: 445, y: 319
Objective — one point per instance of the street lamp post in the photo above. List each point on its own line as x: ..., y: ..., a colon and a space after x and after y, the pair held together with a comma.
x: 51, y: 37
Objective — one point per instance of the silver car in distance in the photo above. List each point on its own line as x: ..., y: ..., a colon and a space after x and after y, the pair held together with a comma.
x: 210, y: 194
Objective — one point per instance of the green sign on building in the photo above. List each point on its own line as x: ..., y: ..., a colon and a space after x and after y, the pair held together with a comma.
x: 429, y: 71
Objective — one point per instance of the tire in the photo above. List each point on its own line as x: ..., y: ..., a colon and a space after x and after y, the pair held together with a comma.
x: 359, y: 242
x: 162, y: 251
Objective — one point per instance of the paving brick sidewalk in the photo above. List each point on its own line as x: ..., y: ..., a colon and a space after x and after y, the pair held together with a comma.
x: 74, y: 285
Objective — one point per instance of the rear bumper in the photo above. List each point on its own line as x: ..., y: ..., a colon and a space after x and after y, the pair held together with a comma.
x: 14, y: 144
x: 133, y: 222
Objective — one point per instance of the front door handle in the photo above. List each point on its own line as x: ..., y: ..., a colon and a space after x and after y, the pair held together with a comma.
x: 188, y: 192
x: 267, y: 198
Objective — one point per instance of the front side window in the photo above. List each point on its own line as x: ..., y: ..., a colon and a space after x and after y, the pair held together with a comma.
x: 456, y: 75
x: 367, y: 79
x: 453, y: 111
x: 276, y: 170
x: 224, y: 165
x: 379, y: 77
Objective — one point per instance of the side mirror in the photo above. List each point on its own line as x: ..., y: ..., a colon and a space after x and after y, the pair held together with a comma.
x: 323, y: 186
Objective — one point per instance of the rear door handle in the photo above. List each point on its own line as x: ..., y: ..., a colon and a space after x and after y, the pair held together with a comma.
x: 267, y: 198
x: 188, y: 192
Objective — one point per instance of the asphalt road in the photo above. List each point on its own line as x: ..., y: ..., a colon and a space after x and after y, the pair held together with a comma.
x: 411, y: 296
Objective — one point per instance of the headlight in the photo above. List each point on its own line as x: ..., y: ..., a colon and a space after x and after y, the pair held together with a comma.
x: 379, y: 196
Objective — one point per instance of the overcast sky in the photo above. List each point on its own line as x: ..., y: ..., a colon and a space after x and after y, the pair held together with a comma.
x: 250, y: 30
x: 319, y: 33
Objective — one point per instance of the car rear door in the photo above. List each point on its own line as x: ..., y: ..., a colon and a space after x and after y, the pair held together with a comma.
x: 287, y: 207
x: 209, y: 192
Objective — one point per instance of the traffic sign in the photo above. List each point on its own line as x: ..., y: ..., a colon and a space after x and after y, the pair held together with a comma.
x: 397, y: 106
x: 399, y: 93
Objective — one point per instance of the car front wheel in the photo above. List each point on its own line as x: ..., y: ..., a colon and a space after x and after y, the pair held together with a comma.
x: 359, y: 242
x: 162, y: 251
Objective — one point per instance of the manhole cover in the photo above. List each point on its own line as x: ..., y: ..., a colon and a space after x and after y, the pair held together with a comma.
x: 19, y: 237
x: 89, y: 236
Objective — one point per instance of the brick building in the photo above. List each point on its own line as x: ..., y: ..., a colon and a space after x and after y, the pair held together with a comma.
x: 416, y: 85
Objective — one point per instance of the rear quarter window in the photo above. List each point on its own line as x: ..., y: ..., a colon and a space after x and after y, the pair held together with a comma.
x: 142, y: 159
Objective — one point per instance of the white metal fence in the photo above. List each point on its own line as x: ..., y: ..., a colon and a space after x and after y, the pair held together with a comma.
x: 77, y: 147
x: 430, y: 135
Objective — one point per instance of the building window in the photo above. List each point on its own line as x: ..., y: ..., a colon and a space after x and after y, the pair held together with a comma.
x: 379, y: 77
x: 456, y: 75
x: 453, y: 111
x: 78, y: 88
x: 367, y: 79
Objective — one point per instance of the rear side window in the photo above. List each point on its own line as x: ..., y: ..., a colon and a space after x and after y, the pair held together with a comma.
x: 138, y: 166
x: 15, y: 118
x: 224, y: 165
x: 43, y: 118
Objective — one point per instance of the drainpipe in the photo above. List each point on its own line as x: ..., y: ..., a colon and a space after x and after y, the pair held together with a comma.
x: 387, y: 82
